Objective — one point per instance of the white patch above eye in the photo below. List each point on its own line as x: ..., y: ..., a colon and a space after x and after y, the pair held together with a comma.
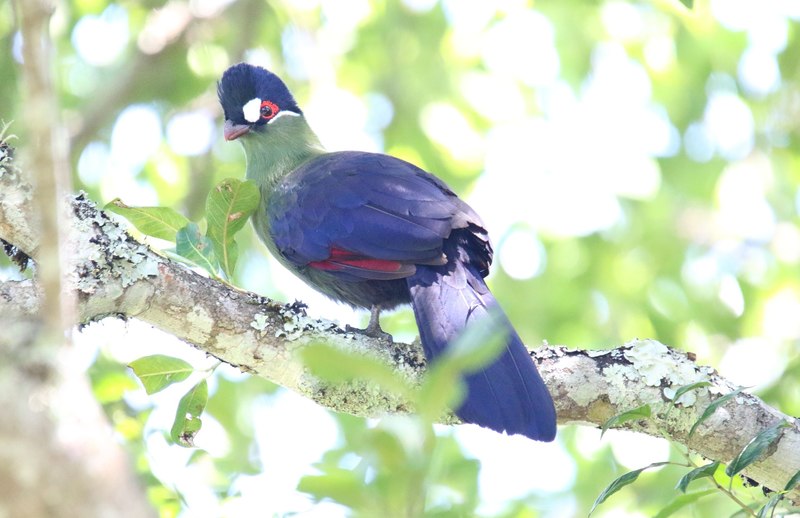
x: 252, y: 110
x: 281, y: 114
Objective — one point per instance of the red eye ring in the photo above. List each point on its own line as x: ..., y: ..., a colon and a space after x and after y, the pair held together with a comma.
x: 268, y: 110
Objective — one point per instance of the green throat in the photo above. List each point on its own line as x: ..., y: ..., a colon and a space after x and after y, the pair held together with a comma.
x: 277, y: 149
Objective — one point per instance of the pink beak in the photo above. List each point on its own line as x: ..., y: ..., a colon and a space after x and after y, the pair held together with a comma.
x: 233, y: 131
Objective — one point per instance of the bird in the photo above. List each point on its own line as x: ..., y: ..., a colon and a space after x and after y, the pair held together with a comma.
x: 376, y: 232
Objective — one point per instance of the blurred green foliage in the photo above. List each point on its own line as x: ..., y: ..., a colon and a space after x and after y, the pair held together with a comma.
x: 401, y: 467
x: 707, y: 259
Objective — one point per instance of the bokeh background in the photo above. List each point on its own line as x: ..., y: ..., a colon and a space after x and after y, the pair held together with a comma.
x: 637, y: 164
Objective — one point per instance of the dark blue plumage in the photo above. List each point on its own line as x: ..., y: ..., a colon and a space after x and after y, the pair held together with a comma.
x: 374, y: 231
x: 508, y: 394
x: 243, y: 82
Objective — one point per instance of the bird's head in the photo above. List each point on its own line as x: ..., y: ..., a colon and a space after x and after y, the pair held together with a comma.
x: 253, y: 99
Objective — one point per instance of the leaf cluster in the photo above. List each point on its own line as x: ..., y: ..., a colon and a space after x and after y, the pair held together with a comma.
x: 402, y: 466
x: 713, y: 471
x: 228, y: 206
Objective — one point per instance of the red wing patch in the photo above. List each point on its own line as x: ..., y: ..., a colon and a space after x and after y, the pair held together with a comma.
x: 341, y: 259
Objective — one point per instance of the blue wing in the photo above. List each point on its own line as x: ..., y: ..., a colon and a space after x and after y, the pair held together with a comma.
x: 365, y: 216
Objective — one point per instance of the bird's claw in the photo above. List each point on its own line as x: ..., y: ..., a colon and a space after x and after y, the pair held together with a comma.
x: 373, y: 329
x: 372, y: 332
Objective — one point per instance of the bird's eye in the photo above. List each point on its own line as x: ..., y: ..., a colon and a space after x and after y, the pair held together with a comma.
x: 268, y: 110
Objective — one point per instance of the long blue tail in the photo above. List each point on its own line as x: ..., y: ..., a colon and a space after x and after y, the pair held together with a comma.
x: 508, y: 395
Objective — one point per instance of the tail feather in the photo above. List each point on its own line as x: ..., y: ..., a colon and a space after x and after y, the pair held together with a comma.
x: 508, y: 395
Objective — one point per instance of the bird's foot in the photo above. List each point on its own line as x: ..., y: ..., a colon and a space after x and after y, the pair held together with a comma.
x: 376, y: 333
x: 373, y: 329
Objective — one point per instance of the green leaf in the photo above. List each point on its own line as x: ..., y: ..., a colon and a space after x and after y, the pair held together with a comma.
x: 160, y: 222
x: 769, y: 508
x: 159, y: 371
x: 642, y: 412
x: 626, y: 479
x: 687, y: 388
x: 111, y: 385
x: 228, y: 206
x: 337, y: 366
x: 191, y: 244
x: 688, y: 3
x: 703, y: 471
x: 792, y: 482
x: 712, y: 407
x: 187, y: 416
x: 388, y: 447
x: 341, y: 485
x: 682, y: 501
x: 755, y: 448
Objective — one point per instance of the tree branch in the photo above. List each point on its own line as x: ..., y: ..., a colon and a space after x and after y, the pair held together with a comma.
x: 57, y: 452
x: 113, y: 274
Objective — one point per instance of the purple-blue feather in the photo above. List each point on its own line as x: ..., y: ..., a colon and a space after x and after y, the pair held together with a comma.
x: 242, y: 83
x: 508, y: 395
x: 382, y: 209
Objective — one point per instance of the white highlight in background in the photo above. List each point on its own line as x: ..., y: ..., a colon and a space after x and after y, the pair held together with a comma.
x: 753, y: 362
x: 522, y: 255
x: 100, y: 40
x: 190, y: 133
